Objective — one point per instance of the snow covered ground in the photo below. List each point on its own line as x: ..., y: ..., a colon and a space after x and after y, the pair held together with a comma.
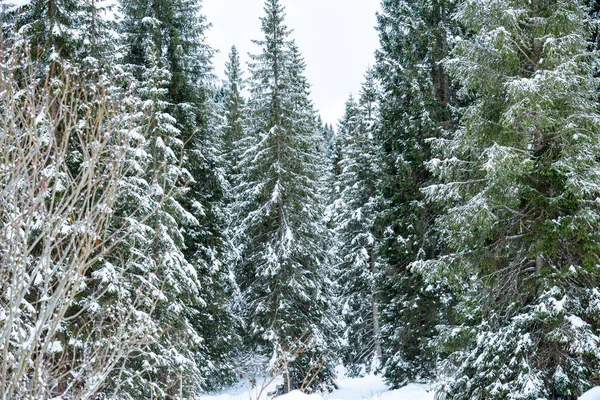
x: 593, y: 394
x: 368, y: 388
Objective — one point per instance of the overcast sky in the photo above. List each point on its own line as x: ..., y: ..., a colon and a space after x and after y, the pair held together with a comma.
x: 336, y: 37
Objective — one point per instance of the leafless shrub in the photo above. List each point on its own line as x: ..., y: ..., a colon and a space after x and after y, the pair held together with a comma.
x: 63, y: 141
x: 283, y: 357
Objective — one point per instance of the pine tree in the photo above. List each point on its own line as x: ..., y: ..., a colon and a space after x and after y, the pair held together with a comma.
x: 50, y: 26
x: 195, y: 111
x: 164, y: 51
x: 233, y: 142
x: 416, y: 106
x: 521, y: 220
x: 329, y: 134
x: 326, y: 133
x: 233, y: 131
x: 334, y: 186
x: 333, y: 193
x: 98, y: 32
x: 282, y: 275
x: 82, y: 32
x: 355, y: 233
x: 347, y: 125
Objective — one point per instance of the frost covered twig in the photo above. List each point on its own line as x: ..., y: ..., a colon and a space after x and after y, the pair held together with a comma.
x: 63, y: 142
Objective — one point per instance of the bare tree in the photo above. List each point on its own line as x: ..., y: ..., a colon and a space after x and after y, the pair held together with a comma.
x: 63, y: 145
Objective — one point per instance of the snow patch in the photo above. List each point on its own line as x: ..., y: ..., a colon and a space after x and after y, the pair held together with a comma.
x: 298, y: 395
x: 370, y: 387
x: 593, y: 394
x: 55, y: 347
x: 576, y: 321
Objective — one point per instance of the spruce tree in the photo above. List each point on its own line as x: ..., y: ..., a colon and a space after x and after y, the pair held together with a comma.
x: 80, y: 33
x: 65, y: 29
x: 50, y: 26
x: 166, y: 54
x: 416, y: 106
x: 282, y: 276
x: 233, y: 139
x: 329, y: 134
x: 520, y: 183
x: 333, y: 192
x: 233, y: 130
x: 334, y: 186
x: 354, y: 227
x: 98, y: 35
x: 195, y: 111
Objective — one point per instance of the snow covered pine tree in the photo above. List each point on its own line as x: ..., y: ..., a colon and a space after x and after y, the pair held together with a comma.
x: 282, y: 276
x: 354, y: 228
x: 416, y: 106
x: 180, y: 250
x: 233, y: 129
x: 521, y: 186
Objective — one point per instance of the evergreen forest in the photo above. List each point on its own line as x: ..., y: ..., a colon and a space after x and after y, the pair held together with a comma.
x: 166, y: 234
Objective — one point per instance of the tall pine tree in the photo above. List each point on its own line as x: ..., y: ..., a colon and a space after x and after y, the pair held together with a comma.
x: 166, y: 53
x: 282, y: 274
x: 416, y: 106
x: 354, y: 227
x: 233, y: 130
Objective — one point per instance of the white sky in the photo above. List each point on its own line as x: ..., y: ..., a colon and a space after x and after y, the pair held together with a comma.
x: 336, y: 37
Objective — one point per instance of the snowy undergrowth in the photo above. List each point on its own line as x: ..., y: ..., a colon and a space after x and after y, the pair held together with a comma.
x: 370, y: 387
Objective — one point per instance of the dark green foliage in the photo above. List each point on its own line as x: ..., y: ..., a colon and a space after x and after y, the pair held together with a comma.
x: 234, y: 110
x: 165, y: 49
x: 49, y: 24
x: 416, y: 106
x: 520, y: 184
x: 282, y: 272
x: 356, y: 245
x: 64, y: 29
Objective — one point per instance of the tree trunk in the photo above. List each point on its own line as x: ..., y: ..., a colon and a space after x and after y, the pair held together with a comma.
x: 375, y: 308
x: 288, y: 384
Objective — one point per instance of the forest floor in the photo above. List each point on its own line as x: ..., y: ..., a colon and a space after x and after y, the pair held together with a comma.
x: 370, y: 387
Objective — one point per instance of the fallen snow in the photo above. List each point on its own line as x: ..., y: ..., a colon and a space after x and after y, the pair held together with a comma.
x: 297, y: 395
x: 371, y: 387
x: 593, y: 394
